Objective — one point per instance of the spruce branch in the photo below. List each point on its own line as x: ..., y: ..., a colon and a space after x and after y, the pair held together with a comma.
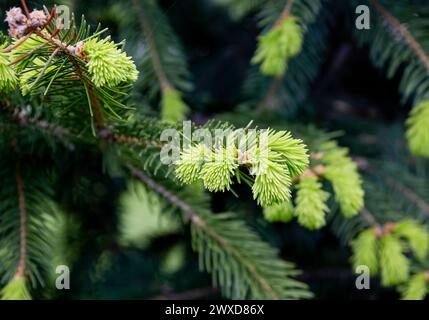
x: 21, y: 269
x: 24, y: 6
x: 267, y: 103
x: 404, y: 32
x: 258, y: 285
x: 147, y: 30
x: 369, y: 217
x: 16, y: 44
x: 410, y: 194
x: 70, y: 52
x: 173, y: 108
x: 287, y: 9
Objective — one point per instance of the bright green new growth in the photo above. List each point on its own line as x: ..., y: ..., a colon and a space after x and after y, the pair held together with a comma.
x: 310, y: 206
x: 281, y: 43
x: 347, y: 186
x: 343, y: 173
x: 191, y: 161
x: 386, y: 253
x: 173, y: 108
x: 292, y: 151
x: 270, y: 163
x: 280, y: 212
x: 280, y: 159
x: 107, y: 64
x: 365, y: 248
x: 217, y: 174
x: 416, y: 288
x: 394, y: 264
x: 272, y: 185
x: 8, y: 79
x: 416, y: 235
x: 16, y: 289
x: 418, y: 133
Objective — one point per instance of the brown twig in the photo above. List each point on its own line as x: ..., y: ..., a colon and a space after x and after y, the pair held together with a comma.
x: 24, y: 6
x: 131, y: 140
x: 51, y: 16
x: 195, y: 219
x: 287, y: 9
x: 159, y: 71
x: 408, y: 193
x: 27, y: 54
x: 17, y: 44
x: 403, y: 189
x: 406, y: 34
x: 22, y: 222
x: 267, y: 103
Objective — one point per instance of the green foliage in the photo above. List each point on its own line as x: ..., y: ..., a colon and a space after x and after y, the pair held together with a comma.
x: 403, y: 51
x: 240, y: 8
x: 243, y: 265
x: 394, y: 264
x: 342, y: 172
x: 416, y: 235
x: 43, y: 65
x: 280, y: 212
x: 73, y: 103
x: 272, y: 183
x: 280, y: 44
x: 416, y: 287
x: 8, y: 79
x: 189, y: 166
x: 384, y: 251
x: 302, y: 70
x: 365, y: 248
x: 293, y: 152
x: 311, y: 207
x: 273, y: 158
x: 216, y: 174
x: 417, y: 133
x: 16, y: 289
x: 107, y: 64
x: 140, y: 204
x: 160, y: 54
x: 173, y: 108
x: 34, y: 204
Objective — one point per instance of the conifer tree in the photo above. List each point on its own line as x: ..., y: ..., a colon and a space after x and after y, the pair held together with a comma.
x: 84, y: 112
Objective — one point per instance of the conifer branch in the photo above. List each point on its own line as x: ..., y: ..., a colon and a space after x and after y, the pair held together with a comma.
x: 24, y: 6
x: 287, y: 9
x: 267, y: 101
x: 17, y: 44
x: 22, y: 222
x: 198, y: 221
x: 162, y: 78
x: 369, y: 217
x: 408, y: 193
x: 412, y: 196
x: 70, y: 52
x: 170, y: 197
x: 404, y: 32
x: 135, y: 141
